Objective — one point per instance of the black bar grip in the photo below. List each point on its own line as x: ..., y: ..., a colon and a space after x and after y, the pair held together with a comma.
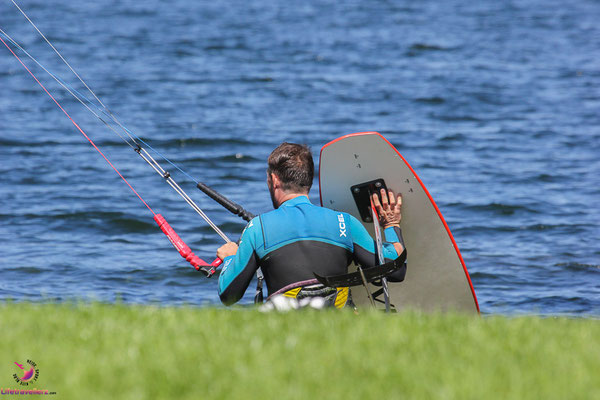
x: 229, y: 205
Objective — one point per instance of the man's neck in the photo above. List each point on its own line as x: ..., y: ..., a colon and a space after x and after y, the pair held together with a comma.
x: 289, y: 196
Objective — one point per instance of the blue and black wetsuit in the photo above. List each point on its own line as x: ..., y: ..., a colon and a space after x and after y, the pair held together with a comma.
x: 295, y: 240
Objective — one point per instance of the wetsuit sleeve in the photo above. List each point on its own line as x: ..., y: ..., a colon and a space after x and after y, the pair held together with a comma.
x: 364, y: 245
x: 238, y: 270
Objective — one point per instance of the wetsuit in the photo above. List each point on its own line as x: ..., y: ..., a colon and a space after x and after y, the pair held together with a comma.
x: 295, y: 240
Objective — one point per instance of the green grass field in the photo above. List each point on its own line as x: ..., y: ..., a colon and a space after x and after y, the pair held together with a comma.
x: 145, y: 352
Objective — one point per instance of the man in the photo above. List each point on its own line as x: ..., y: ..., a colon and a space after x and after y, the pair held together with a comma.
x: 299, y: 238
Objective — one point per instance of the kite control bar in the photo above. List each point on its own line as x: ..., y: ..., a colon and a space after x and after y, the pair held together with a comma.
x: 184, y: 250
x: 231, y: 206
x: 240, y: 211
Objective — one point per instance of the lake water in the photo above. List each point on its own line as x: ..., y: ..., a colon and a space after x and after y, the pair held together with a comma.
x: 495, y: 105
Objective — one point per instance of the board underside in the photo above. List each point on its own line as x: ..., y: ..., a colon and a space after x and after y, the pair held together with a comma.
x: 436, y: 278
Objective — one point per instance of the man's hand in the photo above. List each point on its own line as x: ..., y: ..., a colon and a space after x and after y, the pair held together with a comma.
x: 390, y: 211
x: 228, y: 249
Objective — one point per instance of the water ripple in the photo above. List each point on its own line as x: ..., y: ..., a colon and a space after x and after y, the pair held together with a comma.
x: 495, y: 106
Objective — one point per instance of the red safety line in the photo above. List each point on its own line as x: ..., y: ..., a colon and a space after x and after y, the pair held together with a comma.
x: 77, y: 126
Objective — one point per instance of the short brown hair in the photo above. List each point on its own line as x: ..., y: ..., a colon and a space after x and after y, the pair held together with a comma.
x: 293, y: 164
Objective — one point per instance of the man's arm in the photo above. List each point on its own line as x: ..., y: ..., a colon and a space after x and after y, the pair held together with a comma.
x: 239, y: 263
x: 365, y: 252
x: 389, y: 211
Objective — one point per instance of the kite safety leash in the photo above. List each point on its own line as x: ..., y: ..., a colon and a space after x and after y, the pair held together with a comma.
x: 207, y: 268
x: 135, y: 142
x: 185, y: 251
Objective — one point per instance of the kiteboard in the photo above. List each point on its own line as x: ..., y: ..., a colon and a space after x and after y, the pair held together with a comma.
x: 436, y: 276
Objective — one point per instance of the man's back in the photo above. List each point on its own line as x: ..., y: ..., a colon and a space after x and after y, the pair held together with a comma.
x: 293, y: 242
x: 301, y: 238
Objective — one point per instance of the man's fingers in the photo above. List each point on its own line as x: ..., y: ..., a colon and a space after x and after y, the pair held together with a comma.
x: 384, y: 198
x: 376, y: 202
x: 391, y: 198
x: 228, y: 249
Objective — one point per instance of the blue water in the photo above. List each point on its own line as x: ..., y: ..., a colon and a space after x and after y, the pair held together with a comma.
x: 495, y: 104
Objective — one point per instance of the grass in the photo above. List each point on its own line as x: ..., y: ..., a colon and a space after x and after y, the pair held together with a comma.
x: 98, y: 351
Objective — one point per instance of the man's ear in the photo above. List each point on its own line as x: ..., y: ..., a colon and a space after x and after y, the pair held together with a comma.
x: 275, y: 180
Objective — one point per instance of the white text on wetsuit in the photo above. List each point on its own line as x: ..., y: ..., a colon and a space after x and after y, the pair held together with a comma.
x: 342, y: 225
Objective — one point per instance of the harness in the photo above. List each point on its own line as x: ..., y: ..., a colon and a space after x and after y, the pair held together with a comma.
x: 333, y: 297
